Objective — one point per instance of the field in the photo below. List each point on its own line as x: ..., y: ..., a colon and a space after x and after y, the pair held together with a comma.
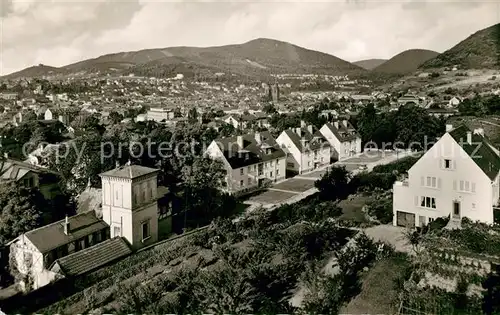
x: 380, y: 288
x: 295, y: 185
x: 271, y: 197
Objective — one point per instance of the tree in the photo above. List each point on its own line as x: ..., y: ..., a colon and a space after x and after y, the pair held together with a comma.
x: 115, y: 117
x: 21, y: 210
x: 333, y: 185
x: 193, y: 115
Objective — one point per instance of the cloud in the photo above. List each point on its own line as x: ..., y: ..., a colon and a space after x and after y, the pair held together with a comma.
x: 59, y: 32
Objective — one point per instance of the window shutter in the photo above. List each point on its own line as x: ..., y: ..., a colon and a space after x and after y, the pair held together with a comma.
x: 416, y: 201
x: 439, y: 183
x: 473, y: 187
x: 461, y: 185
x: 454, y: 185
x: 422, y: 181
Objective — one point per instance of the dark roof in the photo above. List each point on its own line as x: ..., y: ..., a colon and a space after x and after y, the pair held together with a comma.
x: 15, y: 170
x: 255, y: 152
x: 307, y: 141
x: 130, y: 171
x: 51, y: 236
x: 479, y: 151
x: 92, y: 257
x: 343, y: 133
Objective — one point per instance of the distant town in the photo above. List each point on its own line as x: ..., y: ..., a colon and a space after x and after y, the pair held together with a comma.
x: 342, y: 189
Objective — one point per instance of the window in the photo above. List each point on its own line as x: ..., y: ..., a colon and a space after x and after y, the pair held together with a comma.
x: 249, y: 181
x: 145, y: 230
x: 466, y: 186
x: 116, y: 195
x: 309, y: 163
x: 447, y: 163
x: 270, y: 174
x: 249, y: 169
x: 117, y: 231
x: 428, y: 202
x: 431, y: 182
x: 431, y: 219
x: 277, y: 172
x: 241, y: 171
x: 241, y: 183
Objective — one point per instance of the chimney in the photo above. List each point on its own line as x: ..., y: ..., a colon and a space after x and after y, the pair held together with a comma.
x: 298, y: 131
x: 310, y: 129
x: 344, y: 122
x: 6, y: 155
x: 303, y: 124
x: 469, y: 137
x: 66, y: 226
x: 117, y: 164
x: 239, y: 140
x: 479, y: 131
x: 258, y: 138
x: 336, y: 124
x: 449, y: 127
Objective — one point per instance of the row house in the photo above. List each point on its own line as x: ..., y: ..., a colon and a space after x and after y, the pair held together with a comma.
x: 251, y: 161
x: 343, y: 138
x: 82, y: 243
x: 306, y: 149
x: 458, y: 177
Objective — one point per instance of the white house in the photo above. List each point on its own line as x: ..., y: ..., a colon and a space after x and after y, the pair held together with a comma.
x: 250, y: 161
x: 454, y: 101
x: 81, y: 243
x: 343, y: 138
x: 48, y: 115
x: 306, y: 150
x: 457, y: 177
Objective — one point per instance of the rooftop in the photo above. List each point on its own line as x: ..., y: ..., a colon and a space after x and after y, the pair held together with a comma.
x: 130, y: 171
x: 92, y: 257
x: 51, y: 236
x: 479, y: 150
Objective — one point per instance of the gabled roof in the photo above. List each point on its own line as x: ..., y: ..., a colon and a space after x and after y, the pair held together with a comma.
x: 130, y: 171
x: 255, y: 152
x: 307, y: 141
x: 51, y: 236
x: 15, y: 170
x: 92, y: 257
x: 479, y: 150
x: 343, y: 133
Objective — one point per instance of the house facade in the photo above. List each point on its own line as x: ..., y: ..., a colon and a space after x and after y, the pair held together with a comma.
x: 457, y: 177
x: 129, y: 204
x: 343, y: 138
x: 250, y: 161
x: 306, y: 149
x: 81, y: 243
x: 35, y: 251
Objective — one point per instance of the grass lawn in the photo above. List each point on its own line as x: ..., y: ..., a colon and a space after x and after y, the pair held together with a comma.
x: 295, y: 185
x: 380, y: 288
x: 351, y: 208
x: 271, y: 197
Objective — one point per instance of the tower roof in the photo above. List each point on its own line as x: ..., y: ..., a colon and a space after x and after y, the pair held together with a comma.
x: 130, y: 171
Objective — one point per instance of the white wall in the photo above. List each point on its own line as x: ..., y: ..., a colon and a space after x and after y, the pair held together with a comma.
x: 125, y: 206
x: 475, y: 205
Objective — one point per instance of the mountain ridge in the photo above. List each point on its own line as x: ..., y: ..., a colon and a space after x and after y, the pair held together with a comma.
x: 369, y: 64
x: 260, y: 56
x: 406, y: 62
x: 480, y: 50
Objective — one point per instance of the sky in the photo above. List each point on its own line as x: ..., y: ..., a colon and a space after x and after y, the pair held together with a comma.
x: 60, y: 32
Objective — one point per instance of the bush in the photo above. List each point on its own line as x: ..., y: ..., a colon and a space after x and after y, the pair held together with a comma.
x: 401, y: 166
x: 371, y: 181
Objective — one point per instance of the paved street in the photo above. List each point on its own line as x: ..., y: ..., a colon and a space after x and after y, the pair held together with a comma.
x: 296, y: 188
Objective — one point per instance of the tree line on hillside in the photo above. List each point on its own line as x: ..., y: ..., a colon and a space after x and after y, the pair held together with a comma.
x: 480, y: 105
x: 409, y: 126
